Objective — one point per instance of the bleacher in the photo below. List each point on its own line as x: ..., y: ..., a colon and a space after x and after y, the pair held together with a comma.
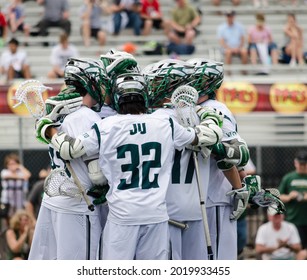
x: 206, y: 43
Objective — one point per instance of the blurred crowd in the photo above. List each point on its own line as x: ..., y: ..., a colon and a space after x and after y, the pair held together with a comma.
x: 100, y: 19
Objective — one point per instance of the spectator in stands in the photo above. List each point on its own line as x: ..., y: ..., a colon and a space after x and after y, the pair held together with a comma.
x: 294, y: 41
x: 151, y: 16
x: 56, y: 14
x: 129, y: 12
x: 258, y: 3
x: 19, y: 235
x: 231, y: 35
x: 3, y: 28
x: 16, y: 18
x: 260, y: 42
x: 91, y: 13
x: 35, y: 196
x: 14, y: 181
x: 14, y: 62
x: 293, y: 192
x: 59, y: 55
x: 277, y: 239
x: 184, y: 22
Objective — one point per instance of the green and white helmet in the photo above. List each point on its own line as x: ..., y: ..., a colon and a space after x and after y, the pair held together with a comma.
x: 129, y: 87
x: 164, y: 77
x: 119, y: 62
x: 87, y: 75
x: 208, y: 76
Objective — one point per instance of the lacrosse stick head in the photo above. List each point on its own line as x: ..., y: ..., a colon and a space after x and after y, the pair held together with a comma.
x: 269, y: 198
x: 207, y: 77
x: 57, y: 183
x: 30, y: 93
x: 88, y: 75
x: 164, y: 77
x: 184, y: 100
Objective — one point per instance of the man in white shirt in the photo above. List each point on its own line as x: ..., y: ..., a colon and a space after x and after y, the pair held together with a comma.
x: 277, y: 239
x: 59, y: 56
x: 14, y: 62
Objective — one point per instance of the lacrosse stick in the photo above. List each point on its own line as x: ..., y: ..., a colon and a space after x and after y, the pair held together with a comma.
x: 184, y: 100
x: 57, y: 183
x: 178, y: 224
x: 269, y: 198
x: 30, y: 93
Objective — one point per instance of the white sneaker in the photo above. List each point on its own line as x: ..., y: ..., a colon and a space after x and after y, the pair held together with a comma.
x: 292, y: 63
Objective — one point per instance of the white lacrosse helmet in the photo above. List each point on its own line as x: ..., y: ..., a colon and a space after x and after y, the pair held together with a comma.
x: 119, y: 62
x: 208, y: 76
x: 164, y: 76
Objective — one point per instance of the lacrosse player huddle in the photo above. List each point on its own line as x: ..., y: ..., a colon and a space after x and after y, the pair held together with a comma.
x: 147, y: 164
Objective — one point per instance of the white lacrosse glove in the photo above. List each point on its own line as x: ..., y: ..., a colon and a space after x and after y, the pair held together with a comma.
x: 241, y: 197
x: 66, y: 102
x: 251, y: 185
x: 209, y: 113
x: 208, y: 133
x: 40, y: 129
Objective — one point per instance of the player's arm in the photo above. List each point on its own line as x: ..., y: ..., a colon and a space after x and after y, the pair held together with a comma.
x: 209, y: 130
x: 231, y: 153
x: 100, y: 182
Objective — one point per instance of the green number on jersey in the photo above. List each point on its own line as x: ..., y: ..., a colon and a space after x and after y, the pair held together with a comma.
x: 176, y: 170
x: 132, y: 167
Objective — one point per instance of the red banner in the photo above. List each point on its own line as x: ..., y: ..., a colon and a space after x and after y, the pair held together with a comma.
x: 240, y: 97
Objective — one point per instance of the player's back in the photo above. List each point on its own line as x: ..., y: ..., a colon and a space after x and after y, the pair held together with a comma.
x: 136, y: 155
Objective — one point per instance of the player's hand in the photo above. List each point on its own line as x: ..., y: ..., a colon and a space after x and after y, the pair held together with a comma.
x: 41, y: 127
x: 241, y: 197
x: 99, y: 192
x: 66, y: 102
x: 209, y: 113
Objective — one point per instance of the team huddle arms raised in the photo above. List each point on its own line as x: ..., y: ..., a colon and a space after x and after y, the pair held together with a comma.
x: 155, y: 152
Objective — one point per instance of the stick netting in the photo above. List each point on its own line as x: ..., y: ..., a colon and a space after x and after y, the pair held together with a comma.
x: 184, y: 99
x: 58, y: 183
x: 30, y: 93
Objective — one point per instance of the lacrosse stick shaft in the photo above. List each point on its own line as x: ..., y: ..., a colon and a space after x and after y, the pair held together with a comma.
x: 203, y: 207
x: 178, y: 224
x: 79, y: 185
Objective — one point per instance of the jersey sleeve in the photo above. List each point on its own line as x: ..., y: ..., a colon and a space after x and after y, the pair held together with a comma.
x: 182, y: 136
x: 91, y: 141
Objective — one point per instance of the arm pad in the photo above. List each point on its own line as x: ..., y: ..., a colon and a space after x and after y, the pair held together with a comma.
x: 230, y: 153
x: 68, y: 147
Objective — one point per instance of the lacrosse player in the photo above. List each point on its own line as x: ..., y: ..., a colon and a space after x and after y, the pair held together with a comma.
x: 116, y: 63
x: 136, y: 150
x: 227, y: 197
x: 183, y: 201
x: 66, y: 229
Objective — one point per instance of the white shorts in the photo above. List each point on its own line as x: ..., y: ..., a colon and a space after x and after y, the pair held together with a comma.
x: 61, y: 236
x: 140, y: 242
x: 223, y: 232
x: 190, y: 243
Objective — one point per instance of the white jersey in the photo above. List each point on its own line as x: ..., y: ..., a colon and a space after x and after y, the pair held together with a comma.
x: 17, y: 59
x: 59, y: 55
x: 182, y: 195
x: 269, y: 237
x: 136, y: 152
x: 74, y: 124
x: 218, y: 183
